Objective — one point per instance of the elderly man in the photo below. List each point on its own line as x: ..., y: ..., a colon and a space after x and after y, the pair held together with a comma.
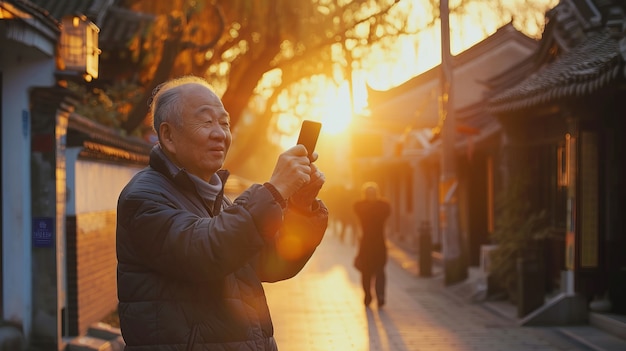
x: 190, y: 261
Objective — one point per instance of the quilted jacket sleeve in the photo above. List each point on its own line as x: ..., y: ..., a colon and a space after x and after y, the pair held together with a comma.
x: 294, y: 244
x: 157, y: 229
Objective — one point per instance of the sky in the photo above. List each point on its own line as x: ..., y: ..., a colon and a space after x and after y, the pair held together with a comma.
x: 386, y: 68
x: 410, y: 56
x: 416, y: 54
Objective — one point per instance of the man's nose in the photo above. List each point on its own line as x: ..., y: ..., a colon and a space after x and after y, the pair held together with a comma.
x: 217, y: 132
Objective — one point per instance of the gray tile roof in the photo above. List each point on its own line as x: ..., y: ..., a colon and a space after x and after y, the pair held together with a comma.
x: 120, y: 25
x: 117, y: 25
x: 94, y: 9
x: 591, y: 65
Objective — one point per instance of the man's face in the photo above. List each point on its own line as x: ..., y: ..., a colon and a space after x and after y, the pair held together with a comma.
x: 200, y: 145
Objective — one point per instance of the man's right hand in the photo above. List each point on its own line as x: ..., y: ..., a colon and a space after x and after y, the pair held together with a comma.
x: 292, y: 171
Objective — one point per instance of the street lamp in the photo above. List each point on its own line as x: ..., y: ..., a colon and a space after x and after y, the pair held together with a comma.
x: 78, y: 47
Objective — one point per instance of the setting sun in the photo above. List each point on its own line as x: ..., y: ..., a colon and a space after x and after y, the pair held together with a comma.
x: 335, y: 113
x: 334, y: 108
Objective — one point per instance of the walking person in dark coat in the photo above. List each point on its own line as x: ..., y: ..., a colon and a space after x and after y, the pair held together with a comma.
x: 190, y: 261
x: 371, y: 258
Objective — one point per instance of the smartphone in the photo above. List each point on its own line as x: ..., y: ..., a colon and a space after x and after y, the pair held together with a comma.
x: 309, y: 132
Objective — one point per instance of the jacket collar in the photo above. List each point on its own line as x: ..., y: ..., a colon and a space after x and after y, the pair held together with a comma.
x: 162, y: 164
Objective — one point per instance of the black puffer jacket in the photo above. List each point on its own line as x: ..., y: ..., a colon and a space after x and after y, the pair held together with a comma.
x: 187, y: 277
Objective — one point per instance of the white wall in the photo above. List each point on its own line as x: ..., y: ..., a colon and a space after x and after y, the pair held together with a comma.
x: 20, y: 72
x: 94, y: 186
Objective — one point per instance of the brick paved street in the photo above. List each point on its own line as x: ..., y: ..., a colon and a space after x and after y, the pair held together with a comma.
x: 322, y: 310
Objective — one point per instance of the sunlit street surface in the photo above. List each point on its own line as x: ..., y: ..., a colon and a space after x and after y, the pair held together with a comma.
x: 322, y: 309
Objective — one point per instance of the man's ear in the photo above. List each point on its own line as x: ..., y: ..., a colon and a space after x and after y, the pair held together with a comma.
x: 166, y: 137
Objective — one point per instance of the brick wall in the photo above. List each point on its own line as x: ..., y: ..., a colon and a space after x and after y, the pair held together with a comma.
x: 93, y: 188
x: 94, y: 265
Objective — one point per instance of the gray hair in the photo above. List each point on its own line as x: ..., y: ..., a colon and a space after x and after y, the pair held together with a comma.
x: 165, y: 103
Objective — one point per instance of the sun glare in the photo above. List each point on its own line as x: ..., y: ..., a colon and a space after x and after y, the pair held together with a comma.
x: 334, y: 108
x: 336, y: 113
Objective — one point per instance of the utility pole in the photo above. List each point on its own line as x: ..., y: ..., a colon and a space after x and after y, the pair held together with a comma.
x: 455, y: 268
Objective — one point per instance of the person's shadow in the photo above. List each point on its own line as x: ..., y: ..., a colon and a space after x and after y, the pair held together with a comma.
x: 383, y: 333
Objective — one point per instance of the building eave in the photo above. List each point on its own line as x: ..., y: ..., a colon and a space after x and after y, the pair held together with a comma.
x: 415, y: 103
x: 583, y: 70
x: 28, y: 25
x: 104, y: 143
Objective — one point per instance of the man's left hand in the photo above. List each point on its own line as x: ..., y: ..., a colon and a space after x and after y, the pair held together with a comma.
x: 305, y: 196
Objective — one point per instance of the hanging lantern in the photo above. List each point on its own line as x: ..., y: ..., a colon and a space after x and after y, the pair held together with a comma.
x: 78, y: 47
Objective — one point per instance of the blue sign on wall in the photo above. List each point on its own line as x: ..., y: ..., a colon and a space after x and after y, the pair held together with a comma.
x: 25, y: 122
x: 43, y: 232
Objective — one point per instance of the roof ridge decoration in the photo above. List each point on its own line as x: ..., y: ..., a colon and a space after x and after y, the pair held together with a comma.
x: 573, y: 19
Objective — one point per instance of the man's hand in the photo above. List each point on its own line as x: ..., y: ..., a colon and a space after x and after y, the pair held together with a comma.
x: 305, y: 197
x: 292, y: 171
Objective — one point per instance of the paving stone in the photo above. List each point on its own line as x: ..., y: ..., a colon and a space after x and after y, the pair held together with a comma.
x: 322, y: 309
